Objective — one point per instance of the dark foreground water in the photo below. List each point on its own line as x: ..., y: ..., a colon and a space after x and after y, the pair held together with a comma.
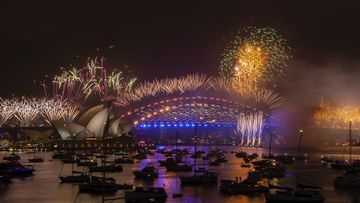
x: 44, y: 185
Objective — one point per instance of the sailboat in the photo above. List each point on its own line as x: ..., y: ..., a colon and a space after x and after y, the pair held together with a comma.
x: 36, y: 159
x: 154, y: 194
x: 352, y: 177
x: 103, y: 185
x: 147, y: 173
x: 82, y: 178
x: 12, y: 157
x: 236, y: 187
x: 301, y: 194
x: 202, y: 178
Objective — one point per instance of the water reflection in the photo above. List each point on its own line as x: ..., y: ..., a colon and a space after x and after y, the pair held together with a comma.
x: 44, y: 186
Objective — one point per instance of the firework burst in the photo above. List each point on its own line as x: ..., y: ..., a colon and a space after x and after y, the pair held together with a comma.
x: 329, y: 115
x: 258, y: 56
x: 93, y: 79
x: 6, y: 112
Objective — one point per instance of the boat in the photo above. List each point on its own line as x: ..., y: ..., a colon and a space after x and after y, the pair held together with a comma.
x: 69, y: 160
x: 339, y: 165
x: 12, y: 157
x: 124, y: 160
x: 102, y: 185
x: 21, y: 171
x: 245, y: 165
x: 201, y: 170
x: 101, y: 156
x: 241, y: 154
x: 168, y: 161
x: 109, y: 168
x: 90, y: 162
x: 140, y: 156
x: 5, y: 180
x: 299, y: 195
x: 80, y: 178
x: 154, y: 194
x: 75, y: 178
x: 120, y: 153
x: 36, y: 160
x: 5, y: 166
x: 61, y: 155
x: 176, y: 195
x: 235, y: 187
x: 202, y: 178
x: 196, y: 155
x: 214, y: 163
x: 207, y: 157
x: 98, y: 187
x: 179, y: 167
x: 349, y: 179
x: 221, y: 159
x: 148, y: 172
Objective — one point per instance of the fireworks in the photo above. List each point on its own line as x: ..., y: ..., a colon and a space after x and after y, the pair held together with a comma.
x: 93, y: 79
x: 250, y: 127
x: 6, y: 112
x: 32, y: 111
x: 56, y: 109
x: 337, y: 116
x: 70, y: 113
x: 164, y: 86
x: 267, y: 99
x: 256, y: 58
x: 25, y: 111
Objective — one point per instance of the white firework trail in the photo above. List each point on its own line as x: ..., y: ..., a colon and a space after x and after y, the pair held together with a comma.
x: 250, y: 127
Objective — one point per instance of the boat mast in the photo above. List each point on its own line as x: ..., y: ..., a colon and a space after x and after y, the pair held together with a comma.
x: 350, y: 151
x: 195, y: 142
x: 270, y: 142
x: 298, y: 154
x: 177, y: 139
x: 103, y: 158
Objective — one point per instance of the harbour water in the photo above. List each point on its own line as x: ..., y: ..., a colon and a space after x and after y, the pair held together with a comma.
x: 44, y: 186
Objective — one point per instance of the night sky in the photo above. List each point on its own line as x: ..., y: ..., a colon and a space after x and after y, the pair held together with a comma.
x: 158, y: 39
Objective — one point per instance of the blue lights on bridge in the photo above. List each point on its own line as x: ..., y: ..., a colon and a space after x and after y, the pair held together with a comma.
x: 184, y: 125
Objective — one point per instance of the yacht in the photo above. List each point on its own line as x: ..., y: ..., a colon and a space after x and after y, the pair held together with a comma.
x: 83, y: 178
x: 148, y: 172
x: 202, y: 178
x: 179, y: 167
x: 21, y: 171
x: 36, y: 159
x: 5, y: 180
x: 302, y: 194
x: 235, y: 187
x: 99, y: 185
x: 85, y: 162
x: 349, y: 179
x: 154, y: 194
x: 124, y: 160
x: 109, y: 168
x: 12, y: 157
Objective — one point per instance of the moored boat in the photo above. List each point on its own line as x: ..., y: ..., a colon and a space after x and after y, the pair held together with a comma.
x: 148, y: 173
x: 156, y: 194
x: 235, y: 187
x: 202, y: 178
